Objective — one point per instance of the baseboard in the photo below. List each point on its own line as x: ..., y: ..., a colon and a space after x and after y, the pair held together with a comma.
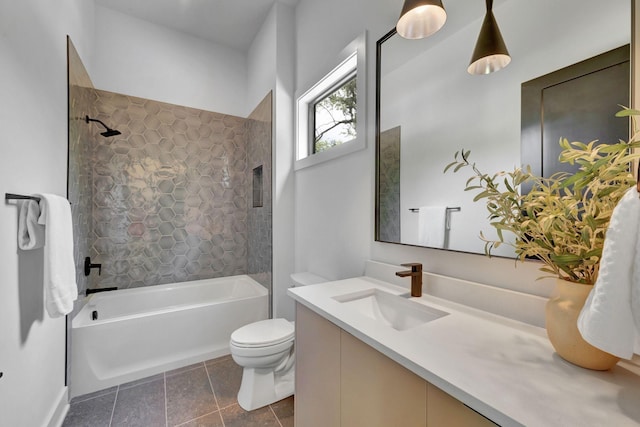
x: 59, y: 411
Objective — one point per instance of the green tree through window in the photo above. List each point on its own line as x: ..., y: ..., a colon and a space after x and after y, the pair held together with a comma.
x: 335, y: 117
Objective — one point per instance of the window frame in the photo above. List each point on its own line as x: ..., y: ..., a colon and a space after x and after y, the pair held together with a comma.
x: 324, y: 95
x: 352, y: 61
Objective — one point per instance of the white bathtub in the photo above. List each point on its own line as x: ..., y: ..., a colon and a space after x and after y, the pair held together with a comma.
x: 144, y: 331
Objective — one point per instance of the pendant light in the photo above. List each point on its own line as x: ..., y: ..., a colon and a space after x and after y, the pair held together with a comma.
x: 490, y: 53
x: 420, y: 18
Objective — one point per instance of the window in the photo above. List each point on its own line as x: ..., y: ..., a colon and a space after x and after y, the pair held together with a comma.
x: 330, y: 115
x: 334, y: 117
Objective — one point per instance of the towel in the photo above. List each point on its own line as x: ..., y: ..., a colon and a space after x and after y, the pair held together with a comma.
x: 610, y: 317
x: 431, y: 226
x: 59, y: 267
x: 30, y: 233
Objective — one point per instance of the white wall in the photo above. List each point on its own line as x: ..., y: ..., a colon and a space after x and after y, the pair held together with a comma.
x: 261, y: 60
x: 33, y: 158
x: 271, y: 67
x: 136, y: 57
x: 334, y: 199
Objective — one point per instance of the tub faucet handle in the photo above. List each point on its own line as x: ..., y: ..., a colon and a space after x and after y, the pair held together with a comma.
x: 88, y: 266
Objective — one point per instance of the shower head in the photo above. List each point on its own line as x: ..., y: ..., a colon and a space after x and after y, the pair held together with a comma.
x: 109, y: 132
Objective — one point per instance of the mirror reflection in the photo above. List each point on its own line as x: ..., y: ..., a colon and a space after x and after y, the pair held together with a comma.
x: 429, y: 107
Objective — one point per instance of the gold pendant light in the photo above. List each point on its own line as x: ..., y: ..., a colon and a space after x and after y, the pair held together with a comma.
x: 490, y: 53
x: 420, y: 18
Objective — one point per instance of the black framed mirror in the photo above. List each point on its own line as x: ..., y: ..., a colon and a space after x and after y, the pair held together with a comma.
x: 428, y: 107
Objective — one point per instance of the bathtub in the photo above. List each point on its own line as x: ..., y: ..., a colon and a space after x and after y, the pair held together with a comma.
x: 144, y: 331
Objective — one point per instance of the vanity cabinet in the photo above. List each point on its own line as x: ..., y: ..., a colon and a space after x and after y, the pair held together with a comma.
x: 317, y: 376
x: 375, y: 390
x: 444, y: 410
x: 341, y: 381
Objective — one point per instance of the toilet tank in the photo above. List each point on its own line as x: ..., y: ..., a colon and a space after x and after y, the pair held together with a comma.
x: 305, y: 278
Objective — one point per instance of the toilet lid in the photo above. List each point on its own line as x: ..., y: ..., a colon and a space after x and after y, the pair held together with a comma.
x: 263, y: 333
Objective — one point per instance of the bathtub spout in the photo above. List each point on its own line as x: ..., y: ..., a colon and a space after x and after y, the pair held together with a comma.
x: 96, y: 290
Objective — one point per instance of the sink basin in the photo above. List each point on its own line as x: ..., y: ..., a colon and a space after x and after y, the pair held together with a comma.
x: 392, y: 310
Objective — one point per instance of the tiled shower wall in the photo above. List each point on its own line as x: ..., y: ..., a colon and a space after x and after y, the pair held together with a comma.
x: 259, y: 219
x: 80, y: 188
x: 170, y: 195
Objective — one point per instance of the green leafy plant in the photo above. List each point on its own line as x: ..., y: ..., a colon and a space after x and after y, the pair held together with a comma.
x: 562, y: 220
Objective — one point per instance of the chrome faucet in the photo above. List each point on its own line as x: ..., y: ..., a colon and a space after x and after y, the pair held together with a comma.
x: 416, y: 277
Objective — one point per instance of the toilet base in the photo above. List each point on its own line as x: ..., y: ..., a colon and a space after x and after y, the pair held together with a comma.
x: 261, y: 387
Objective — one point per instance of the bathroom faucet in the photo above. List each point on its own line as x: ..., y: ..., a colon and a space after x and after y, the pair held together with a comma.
x: 416, y: 277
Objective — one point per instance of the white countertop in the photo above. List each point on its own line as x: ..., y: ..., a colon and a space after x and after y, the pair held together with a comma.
x: 503, y: 369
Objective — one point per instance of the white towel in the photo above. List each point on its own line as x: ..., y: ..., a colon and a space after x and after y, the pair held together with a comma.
x: 431, y: 226
x: 59, y: 267
x: 609, y: 318
x: 30, y: 233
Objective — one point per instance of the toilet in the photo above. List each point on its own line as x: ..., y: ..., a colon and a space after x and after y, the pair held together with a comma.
x: 265, y: 350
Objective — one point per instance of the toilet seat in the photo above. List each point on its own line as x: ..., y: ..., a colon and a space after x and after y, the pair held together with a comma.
x: 264, y: 333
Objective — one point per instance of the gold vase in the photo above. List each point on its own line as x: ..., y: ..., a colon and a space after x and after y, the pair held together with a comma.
x: 562, y: 313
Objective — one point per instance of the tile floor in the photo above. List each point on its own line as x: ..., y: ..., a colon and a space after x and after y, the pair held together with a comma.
x: 200, y: 395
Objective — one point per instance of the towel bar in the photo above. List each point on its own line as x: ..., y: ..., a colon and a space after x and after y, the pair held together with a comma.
x: 10, y: 196
x: 447, y: 222
x: 456, y: 209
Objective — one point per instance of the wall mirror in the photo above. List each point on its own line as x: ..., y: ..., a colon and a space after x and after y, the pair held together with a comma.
x: 429, y: 107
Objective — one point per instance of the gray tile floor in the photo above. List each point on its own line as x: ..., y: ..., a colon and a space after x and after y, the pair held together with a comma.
x: 200, y: 395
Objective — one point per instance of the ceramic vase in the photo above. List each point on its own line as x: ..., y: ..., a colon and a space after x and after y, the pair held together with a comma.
x: 562, y: 313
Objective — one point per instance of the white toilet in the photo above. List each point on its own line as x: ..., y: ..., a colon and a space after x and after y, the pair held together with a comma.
x: 266, y: 352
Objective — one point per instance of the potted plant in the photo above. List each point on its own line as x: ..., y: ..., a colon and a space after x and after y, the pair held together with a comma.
x: 561, y: 221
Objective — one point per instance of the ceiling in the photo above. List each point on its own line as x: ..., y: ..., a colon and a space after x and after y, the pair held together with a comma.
x: 231, y: 23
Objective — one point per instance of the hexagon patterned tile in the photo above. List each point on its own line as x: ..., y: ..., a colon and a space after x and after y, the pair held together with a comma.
x: 169, y: 196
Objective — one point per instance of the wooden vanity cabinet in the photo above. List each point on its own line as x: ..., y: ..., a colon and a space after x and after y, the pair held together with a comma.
x: 317, y: 371
x: 444, y: 410
x: 341, y: 381
x: 375, y: 390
